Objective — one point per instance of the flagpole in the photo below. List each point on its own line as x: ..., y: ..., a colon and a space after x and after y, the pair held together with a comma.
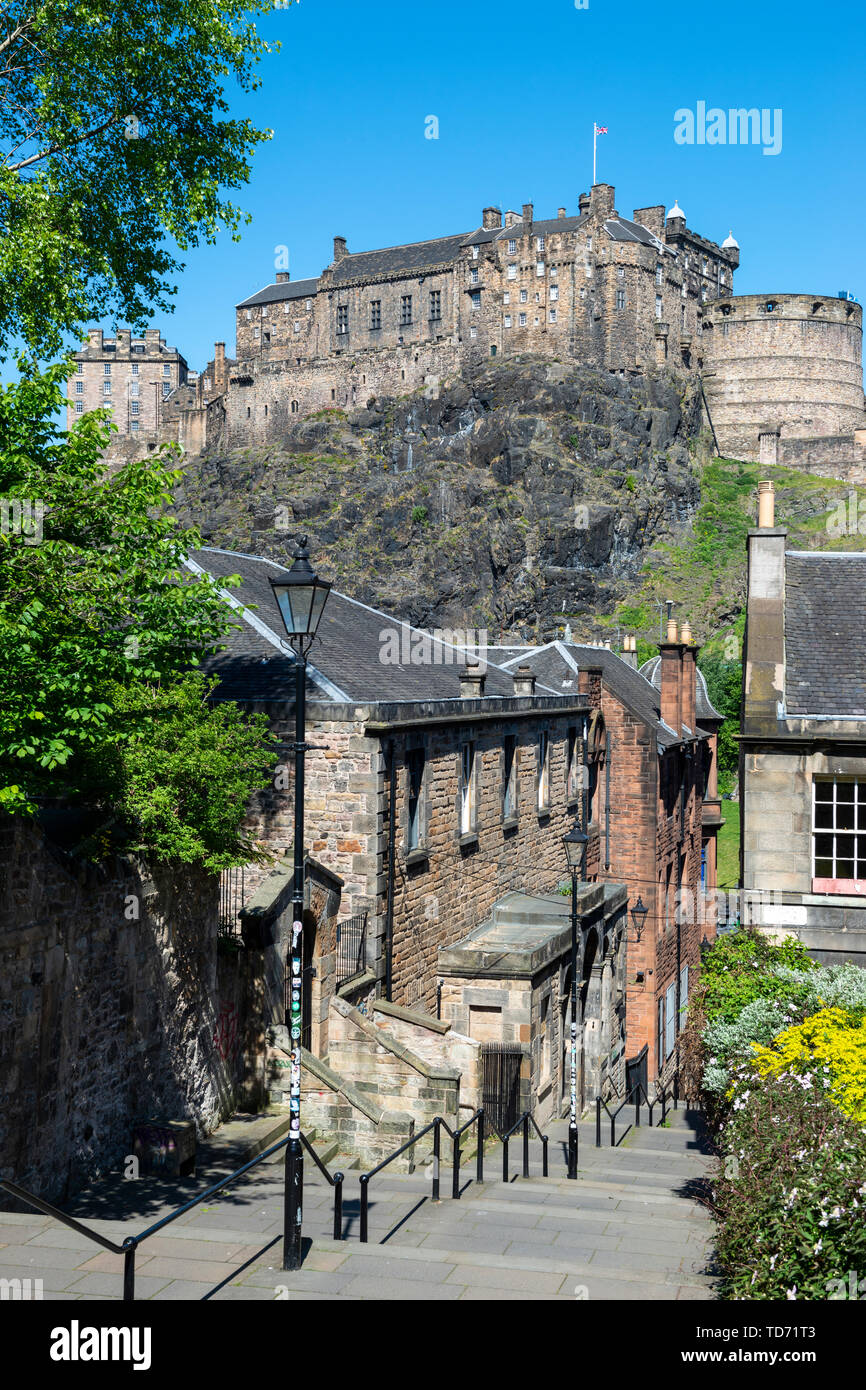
x: 594, y: 147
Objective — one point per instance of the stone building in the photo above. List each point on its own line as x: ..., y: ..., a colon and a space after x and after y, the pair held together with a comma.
x: 130, y: 376
x: 803, y: 743
x: 438, y: 791
x: 593, y: 287
x: 653, y: 813
x: 783, y: 377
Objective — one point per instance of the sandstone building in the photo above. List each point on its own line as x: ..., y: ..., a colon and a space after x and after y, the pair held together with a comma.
x: 130, y: 376
x: 803, y: 742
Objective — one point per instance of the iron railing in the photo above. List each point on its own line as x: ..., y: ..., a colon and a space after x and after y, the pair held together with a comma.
x: 351, y: 948
x: 524, y: 1122
x: 661, y: 1097
x: 232, y: 899
x: 437, y: 1125
x: 130, y: 1246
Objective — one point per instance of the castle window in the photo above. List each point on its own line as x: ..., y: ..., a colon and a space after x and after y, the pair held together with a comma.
x: 134, y: 407
x: 266, y: 411
x: 539, y: 267
x: 342, y: 318
x: 246, y: 313
x: 620, y: 299
x: 405, y: 309
x: 475, y: 251
x: 537, y: 297
x: 512, y: 246
x: 333, y: 394
x: 297, y: 325
x: 476, y: 299
x: 286, y: 308
x: 107, y: 388
x: 134, y: 425
x: 706, y: 266
x: 473, y: 333
x: 79, y: 407
x: 414, y: 789
x: 375, y: 313
x: 507, y: 320
x: 435, y: 304
x: 553, y: 272
x: 248, y: 412
x: 468, y: 802
x: 539, y: 242
x: 703, y: 294
x: 552, y: 316
x: 522, y: 321
x: 256, y: 332
x: 506, y: 297
x: 839, y: 830
x: 166, y: 388
x: 620, y: 270
x: 133, y: 389
x: 542, y: 773
x: 79, y: 387
x: 589, y: 243
x: 308, y: 305
x: 554, y: 292
x: 512, y: 272
x: 473, y: 276
x: 135, y: 369
x: 266, y: 337
x: 524, y: 295
x: 658, y: 306
x: 106, y: 367
x: 79, y: 367
x: 684, y: 289
x: 659, y: 273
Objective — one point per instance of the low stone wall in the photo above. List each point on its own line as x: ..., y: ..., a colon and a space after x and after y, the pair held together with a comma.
x: 109, y: 1009
x: 436, y: 1043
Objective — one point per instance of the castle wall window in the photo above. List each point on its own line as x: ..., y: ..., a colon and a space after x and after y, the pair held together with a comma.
x: 375, y: 313
x: 134, y: 426
x: 512, y: 247
x: 620, y: 270
x: 539, y: 242
x: 539, y: 267
x: 135, y: 369
x: 476, y: 299
x: 553, y: 272
x: 706, y: 266
x: 106, y: 367
x: 543, y: 773
x: 166, y: 388
x: 589, y: 243
x: 286, y: 308
x: 659, y: 273
x: 246, y: 313
x: 684, y: 289
x: 166, y: 369
x: 405, y: 309
x: 135, y: 407
x: 554, y: 292
x: 620, y: 299
x: 342, y: 318
x: 297, y: 326
x: 509, y: 778
x: 506, y: 297
x: 522, y: 321
x: 79, y: 387
x: 839, y: 831
x: 79, y: 407
x: 475, y: 251
x: 703, y: 294
x: 658, y: 306
x: 524, y: 295
x: 435, y: 304
x: 552, y: 316
x: 79, y: 367
x: 256, y: 332
x: 473, y: 333
x: 512, y: 272
x: 473, y: 276
x: 414, y: 787
x: 308, y: 305
x: 507, y: 320
x: 107, y: 388
x: 133, y: 389
x: 468, y: 790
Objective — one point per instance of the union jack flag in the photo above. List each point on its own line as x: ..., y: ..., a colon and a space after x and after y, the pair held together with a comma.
x: 601, y: 130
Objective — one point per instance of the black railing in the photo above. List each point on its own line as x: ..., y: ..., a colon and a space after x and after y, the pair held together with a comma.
x: 437, y: 1126
x: 351, y: 948
x: 232, y: 899
x: 130, y: 1245
x: 661, y: 1097
x: 524, y: 1121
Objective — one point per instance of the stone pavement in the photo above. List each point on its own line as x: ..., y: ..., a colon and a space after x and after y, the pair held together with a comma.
x: 629, y: 1228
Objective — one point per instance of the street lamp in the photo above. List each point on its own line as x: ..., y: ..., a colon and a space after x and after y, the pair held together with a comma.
x: 575, y: 843
x: 638, y: 917
x: 301, y: 598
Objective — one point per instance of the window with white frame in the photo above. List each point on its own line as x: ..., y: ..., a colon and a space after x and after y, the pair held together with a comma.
x: 658, y: 306
x: 552, y: 316
x: 79, y: 407
x: 659, y: 273
x: 670, y: 1018
x: 106, y: 367
x: 342, y: 318
x: 684, y: 997
x: 521, y: 322
x: 572, y: 770
x: 839, y: 829
x: 554, y: 292
x: 507, y: 320
x: 79, y: 388
x: 512, y: 246
x: 539, y: 242
x: 473, y: 332
x: 524, y: 295
x: 539, y: 267
x: 543, y: 772
x: 468, y: 809
x: 107, y: 388
x: 476, y: 299
x: 620, y: 270
x: 133, y: 425
x: 473, y: 275
x: 134, y: 407
x: 553, y: 272
x: 589, y: 243
x: 620, y: 299
x: 684, y: 290
x: 506, y: 296
x: 475, y: 251
x: 511, y: 273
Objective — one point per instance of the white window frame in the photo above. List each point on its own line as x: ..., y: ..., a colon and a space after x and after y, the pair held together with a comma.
x: 468, y: 790
x: 512, y: 247
x: 521, y: 321
x: 542, y: 772
x: 858, y: 835
x: 539, y: 268
x: 507, y: 321
x: 511, y: 273
x: 670, y: 1019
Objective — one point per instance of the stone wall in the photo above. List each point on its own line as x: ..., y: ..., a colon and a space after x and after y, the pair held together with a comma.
x: 110, y: 1009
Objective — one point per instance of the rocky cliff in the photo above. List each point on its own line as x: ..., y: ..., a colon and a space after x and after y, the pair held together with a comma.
x: 525, y: 495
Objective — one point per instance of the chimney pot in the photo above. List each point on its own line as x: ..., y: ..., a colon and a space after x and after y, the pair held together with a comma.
x: 672, y: 630
x: 686, y: 633
x: 524, y: 680
x: 766, y: 506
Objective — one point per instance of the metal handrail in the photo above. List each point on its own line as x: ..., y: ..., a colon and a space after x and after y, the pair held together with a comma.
x: 436, y: 1125
x: 525, y: 1120
x: 633, y: 1098
x: 130, y: 1245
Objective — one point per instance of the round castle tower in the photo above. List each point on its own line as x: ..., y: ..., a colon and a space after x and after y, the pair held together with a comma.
x: 786, y: 362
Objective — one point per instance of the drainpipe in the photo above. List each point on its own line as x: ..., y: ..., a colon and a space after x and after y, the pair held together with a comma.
x: 389, y: 905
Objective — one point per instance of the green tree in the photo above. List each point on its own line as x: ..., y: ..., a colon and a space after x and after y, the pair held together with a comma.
x: 115, y: 134
x: 99, y: 627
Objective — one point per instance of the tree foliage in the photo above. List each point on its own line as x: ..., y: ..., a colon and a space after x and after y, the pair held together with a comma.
x: 115, y: 132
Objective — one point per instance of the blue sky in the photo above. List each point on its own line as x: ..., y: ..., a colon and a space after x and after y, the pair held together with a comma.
x: 516, y: 89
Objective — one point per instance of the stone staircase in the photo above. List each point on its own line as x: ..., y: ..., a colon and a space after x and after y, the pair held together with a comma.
x: 630, y: 1227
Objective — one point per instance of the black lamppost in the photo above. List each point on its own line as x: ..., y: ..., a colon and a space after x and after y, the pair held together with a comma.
x: 301, y: 598
x: 638, y: 917
x: 575, y: 843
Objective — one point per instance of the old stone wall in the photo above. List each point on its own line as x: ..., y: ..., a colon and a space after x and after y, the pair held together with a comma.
x: 109, y: 1006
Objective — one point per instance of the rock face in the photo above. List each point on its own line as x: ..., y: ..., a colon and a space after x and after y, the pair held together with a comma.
x: 522, y: 496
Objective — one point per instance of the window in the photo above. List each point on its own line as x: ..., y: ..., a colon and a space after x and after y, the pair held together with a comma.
x: 684, y: 997
x: 659, y: 273
x: 308, y: 305
x: 135, y: 369
x: 660, y: 1034
x: 512, y: 246
x: 572, y: 769
x: 703, y: 294
x: 706, y: 266
x: 107, y: 388
x: 166, y: 369
x: 553, y: 272
x: 589, y: 243
x: 554, y: 292
x: 522, y: 321
x: 620, y: 299
x: 507, y: 320
x: 134, y: 407
x: 414, y: 786
x: 524, y: 295
x: 839, y: 829
x: 475, y: 251
x: 405, y: 309
x: 79, y: 407
x: 506, y: 297
x: 670, y: 1018
x: 684, y: 289
x: 476, y: 299
x: 246, y: 313
x: 552, y: 316
x: 620, y: 270
x: 539, y: 267
x: 375, y: 313
x: 106, y: 367
x: 295, y: 406
x: 509, y: 778
x: 166, y: 388
x: 286, y: 308
x: 543, y: 772
x: 658, y: 306
x: 134, y: 426
x: 435, y: 304
x: 545, y: 1040
x: 256, y: 332
x: 473, y: 332
x: 512, y: 272
x: 342, y: 318
x: 79, y: 387
x: 296, y: 326
x: 468, y: 816
x: 473, y: 275
x: 539, y: 242
x: 79, y: 367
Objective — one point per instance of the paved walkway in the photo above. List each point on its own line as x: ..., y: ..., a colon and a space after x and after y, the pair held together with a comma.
x: 629, y: 1228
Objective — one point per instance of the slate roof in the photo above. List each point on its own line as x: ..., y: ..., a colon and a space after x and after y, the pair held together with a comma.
x: 286, y: 289
x: 621, y: 229
x: 825, y: 634
x: 378, y: 265
x: 345, y: 662
x: 555, y: 664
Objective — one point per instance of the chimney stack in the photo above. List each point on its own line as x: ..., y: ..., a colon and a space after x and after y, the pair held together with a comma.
x: 689, y: 677
x: 602, y: 196
x: 472, y: 681
x: 764, y: 646
x: 491, y: 218
x: 527, y: 217
x: 511, y: 217
x: 766, y: 506
x: 524, y: 681
x: 671, y: 682
x: 340, y: 248
x: 560, y: 212
x: 283, y: 277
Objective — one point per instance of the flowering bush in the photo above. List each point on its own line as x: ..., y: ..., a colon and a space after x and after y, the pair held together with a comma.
x: 791, y: 1191
x: 828, y: 1052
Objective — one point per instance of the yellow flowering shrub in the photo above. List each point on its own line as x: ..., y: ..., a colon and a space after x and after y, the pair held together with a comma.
x: 827, y: 1051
